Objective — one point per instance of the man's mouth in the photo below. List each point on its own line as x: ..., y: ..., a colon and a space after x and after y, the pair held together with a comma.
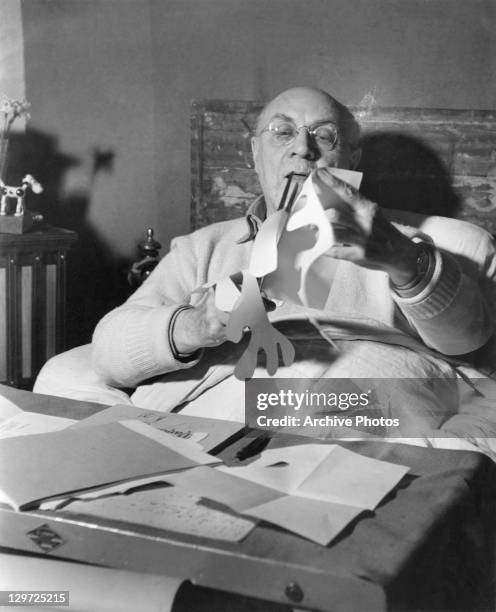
x: 300, y: 173
x: 298, y: 176
x: 300, y: 169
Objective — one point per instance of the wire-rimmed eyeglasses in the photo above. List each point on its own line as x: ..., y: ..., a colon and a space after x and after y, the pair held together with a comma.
x: 284, y: 132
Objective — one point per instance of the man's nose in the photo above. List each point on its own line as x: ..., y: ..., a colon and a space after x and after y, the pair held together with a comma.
x: 304, y: 145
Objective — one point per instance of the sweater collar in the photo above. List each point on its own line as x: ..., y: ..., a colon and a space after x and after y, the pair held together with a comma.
x: 255, y: 216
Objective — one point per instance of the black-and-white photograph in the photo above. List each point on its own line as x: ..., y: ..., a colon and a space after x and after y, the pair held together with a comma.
x: 248, y: 305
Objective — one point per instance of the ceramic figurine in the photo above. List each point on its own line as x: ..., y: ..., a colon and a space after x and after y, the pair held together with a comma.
x: 18, y: 194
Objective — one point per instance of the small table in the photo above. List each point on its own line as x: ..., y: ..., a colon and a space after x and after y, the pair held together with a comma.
x: 429, y: 545
x: 32, y: 301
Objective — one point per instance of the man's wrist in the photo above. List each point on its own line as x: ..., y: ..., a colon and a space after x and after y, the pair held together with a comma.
x: 179, y: 351
x: 416, y: 268
x: 422, y: 272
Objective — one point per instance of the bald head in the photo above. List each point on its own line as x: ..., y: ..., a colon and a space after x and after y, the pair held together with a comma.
x: 301, y: 129
x: 319, y: 101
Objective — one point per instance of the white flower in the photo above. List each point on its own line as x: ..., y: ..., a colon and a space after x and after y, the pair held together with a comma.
x: 5, y: 105
x: 20, y: 108
x: 12, y: 109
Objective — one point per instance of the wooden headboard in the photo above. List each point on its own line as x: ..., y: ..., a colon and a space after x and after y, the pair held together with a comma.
x: 431, y: 161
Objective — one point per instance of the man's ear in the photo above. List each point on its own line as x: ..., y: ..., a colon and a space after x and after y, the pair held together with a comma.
x: 355, y: 157
x: 254, y: 150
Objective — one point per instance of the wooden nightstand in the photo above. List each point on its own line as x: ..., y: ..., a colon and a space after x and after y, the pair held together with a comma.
x: 32, y: 301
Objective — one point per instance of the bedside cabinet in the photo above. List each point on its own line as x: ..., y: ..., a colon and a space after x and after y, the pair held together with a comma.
x: 32, y: 301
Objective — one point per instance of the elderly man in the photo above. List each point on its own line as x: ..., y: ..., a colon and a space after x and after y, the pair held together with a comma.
x: 401, y: 297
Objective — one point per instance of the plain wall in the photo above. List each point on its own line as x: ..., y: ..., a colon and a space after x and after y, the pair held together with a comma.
x: 12, y: 82
x: 118, y: 77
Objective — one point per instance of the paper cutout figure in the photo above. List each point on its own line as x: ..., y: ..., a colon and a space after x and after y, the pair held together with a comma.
x: 249, y: 311
x: 284, y: 283
x: 288, y: 256
x: 301, y: 275
x: 310, y: 213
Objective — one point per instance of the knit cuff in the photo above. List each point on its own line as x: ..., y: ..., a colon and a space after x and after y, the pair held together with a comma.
x: 181, y: 357
x: 438, y: 294
x: 147, y: 343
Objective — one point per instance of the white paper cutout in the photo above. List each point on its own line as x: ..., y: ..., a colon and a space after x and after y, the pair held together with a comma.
x: 250, y: 312
x: 264, y: 254
x: 309, y: 212
x: 302, y: 275
x: 287, y: 255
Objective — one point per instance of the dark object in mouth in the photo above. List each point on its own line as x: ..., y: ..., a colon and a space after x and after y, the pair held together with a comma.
x: 291, y: 190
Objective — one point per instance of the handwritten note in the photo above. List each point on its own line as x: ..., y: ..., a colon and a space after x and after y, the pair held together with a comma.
x: 211, y: 434
x: 168, y: 508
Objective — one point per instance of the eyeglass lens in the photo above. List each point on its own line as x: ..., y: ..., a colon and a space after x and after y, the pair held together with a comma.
x: 284, y: 132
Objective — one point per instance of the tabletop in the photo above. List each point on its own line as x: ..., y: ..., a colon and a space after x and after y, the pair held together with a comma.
x: 428, y: 545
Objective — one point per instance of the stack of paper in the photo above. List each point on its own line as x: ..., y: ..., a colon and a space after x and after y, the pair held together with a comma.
x: 314, y: 490
x: 212, y: 434
x: 44, y: 466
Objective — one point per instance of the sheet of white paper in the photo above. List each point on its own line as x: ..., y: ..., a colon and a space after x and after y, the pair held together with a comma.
x: 338, y: 475
x: 7, y: 408
x: 325, y: 472
x: 168, y: 508
x: 310, y: 518
x: 77, y: 459
x: 25, y: 423
x: 348, y: 478
x: 283, y: 469
x: 92, y: 588
x: 313, y: 490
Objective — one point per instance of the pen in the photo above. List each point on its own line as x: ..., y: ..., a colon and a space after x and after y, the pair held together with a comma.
x: 254, y: 447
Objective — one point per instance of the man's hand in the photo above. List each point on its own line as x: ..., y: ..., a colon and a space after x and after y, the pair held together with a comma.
x: 363, y: 235
x: 200, y: 326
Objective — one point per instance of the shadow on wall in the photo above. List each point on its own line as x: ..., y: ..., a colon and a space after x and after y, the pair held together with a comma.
x: 96, y: 278
x: 403, y: 173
